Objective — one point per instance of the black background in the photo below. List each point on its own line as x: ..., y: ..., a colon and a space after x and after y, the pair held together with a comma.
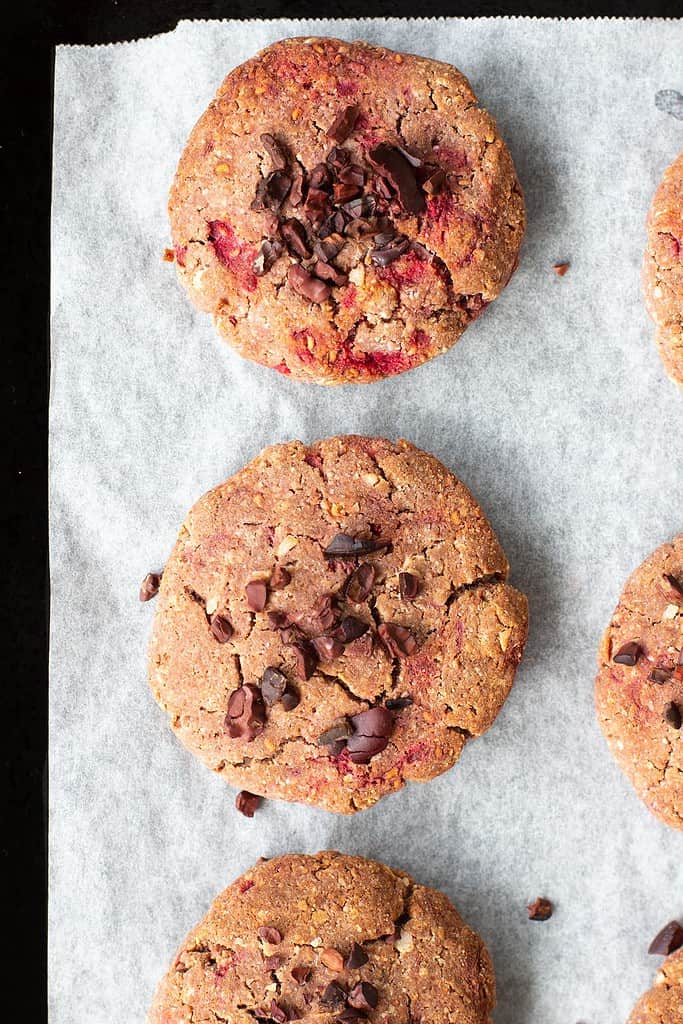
x: 30, y: 33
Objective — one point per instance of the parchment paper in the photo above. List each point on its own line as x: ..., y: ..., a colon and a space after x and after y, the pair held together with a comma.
x: 553, y: 409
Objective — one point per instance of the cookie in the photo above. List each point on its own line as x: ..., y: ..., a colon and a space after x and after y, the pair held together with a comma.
x: 333, y: 622
x: 663, y: 1004
x: 639, y: 686
x: 663, y: 268
x: 328, y: 938
x: 344, y: 211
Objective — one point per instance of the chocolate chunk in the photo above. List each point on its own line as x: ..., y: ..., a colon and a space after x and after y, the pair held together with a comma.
x: 300, y: 973
x: 269, y: 252
x: 336, y: 736
x: 389, y: 253
x: 279, y: 619
x: 399, y: 641
x: 333, y: 995
x: 540, y: 910
x: 273, y: 686
x: 408, y: 586
x: 660, y: 675
x: 628, y: 654
x: 393, y: 166
x: 298, y: 190
x: 343, y: 125
x: 274, y: 151
x: 311, y: 288
x: 329, y: 248
x: 257, y: 595
x: 342, y: 192
x: 352, y: 174
x: 435, y: 182
x: 668, y: 940
x: 294, y: 235
x: 327, y: 647
x: 247, y: 803
x: 320, y: 177
x: 270, y: 935
x: 326, y: 272
x: 675, y: 584
x: 359, y: 584
x: 674, y: 716
x: 398, y: 703
x: 277, y: 1013
x: 363, y: 996
x: 560, y: 268
x: 338, y: 158
x: 221, y: 628
x: 413, y: 160
x: 290, y: 699
x: 322, y: 617
x: 150, y: 586
x: 305, y: 659
x: 333, y: 225
x: 343, y: 546
x: 350, y: 628
x: 246, y: 713
x: 363, y: 206
x: 272, y: 191
x: 317, y: 206
x: 280, y: 578
x: 356, y: 958
x: 372, y: 729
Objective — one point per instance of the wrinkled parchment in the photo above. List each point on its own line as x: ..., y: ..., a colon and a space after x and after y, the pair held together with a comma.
x: 553, y: 409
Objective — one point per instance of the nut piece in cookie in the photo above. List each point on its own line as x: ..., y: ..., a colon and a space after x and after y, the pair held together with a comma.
x: 344, y: 211
x: 328, y: 938
x: 639, y: 685
x: 334, y: 622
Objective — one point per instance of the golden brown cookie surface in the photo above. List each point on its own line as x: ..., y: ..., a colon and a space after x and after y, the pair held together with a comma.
x: 663, y: 1004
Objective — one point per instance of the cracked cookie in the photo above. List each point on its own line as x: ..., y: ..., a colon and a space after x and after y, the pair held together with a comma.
x: 663, y: 1004
x: 344, y: 211
x: 333, y: 622
x: 639, y: 686
x: 328, y: 938
x: 663, y: 268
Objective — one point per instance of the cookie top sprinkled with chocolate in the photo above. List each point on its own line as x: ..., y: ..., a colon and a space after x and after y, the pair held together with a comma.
x: 336, y: 679
x: 663, y: 268
x: 663, y: 1004
x: 639, y: 686
x: 344, y: 211
x: 328, y: 938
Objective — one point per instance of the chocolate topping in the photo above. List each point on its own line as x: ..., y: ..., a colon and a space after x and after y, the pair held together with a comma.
x: 294, y: 235
x: 660, y: 675
x: 280, y: 578
x: 221, y: 628
x: 359, y: 583
x: 398, y: 640
x: 628, y: 654
x: 273, y: 685
x: 393, y: 166
x: 372, y: 729
x: 150, y: 586
x: 246, y: 713
x: 257, y: 595
x: 275, y: 151
x: 408, y: 586
x: 306, y: 660
x: 668, y: 940
x: 343, y: 546
x: 356, y: 958
x: 327, y: 647
x: 247, y: 803
x: 363, y: 996
x: 350, y: 628
x: 540, y: 910
x: 343, y: 125
x: 269, y: 252
x: 311, y: 288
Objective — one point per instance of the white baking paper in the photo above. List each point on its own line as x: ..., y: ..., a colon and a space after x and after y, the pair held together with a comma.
x: 553, y: 409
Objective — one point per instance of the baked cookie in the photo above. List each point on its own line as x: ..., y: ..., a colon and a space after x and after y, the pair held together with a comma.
x: 663, y: 268
x: 344, y: 211
x: 328, y: 938
x: 333, y: 622
x: 663, y: 1004
x: 639, y: 686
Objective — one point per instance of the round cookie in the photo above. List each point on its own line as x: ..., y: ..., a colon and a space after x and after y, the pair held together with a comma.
x: 328, y: 938
x: 333, y: 622
x: 639, y: 686
x: 344, y: 211
x: 663, y: 268
x: 663, y: 1004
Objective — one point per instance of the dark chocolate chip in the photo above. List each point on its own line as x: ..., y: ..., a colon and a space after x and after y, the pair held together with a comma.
x: 270, y: 935
x: 326, y: 272
x: 317, y: 206
x: 363, y: 996
x: 540, y: 910
x: 272, y: 191
x: 628, y: 654
x: 359, y: 584
x: 675, y: 584
x: 363, y: 206
x: 269, y: 252
x: 343, y: 546
x: 338, y: 158
x: 329, y: 248
x: 150, y: 586
x: 399, y: 641
x: 343, y: 125
x: 303, y: 283
x: 350, y: 628
x: 333, y: 995
x: 372, y: 729
x: 393, y: 166
x: 339, y: 732
x: 280, y: 578
x: 435, y: 182
x: 398, y: 703
x: 247, y: 803
x: 294, y: 235
x: 274, y: 151
x: 306, y: 659
x: 298, y: 190
x: 323, y: 616
x: 674, y: 716
x: 300, y: 973
x: 327, y: 647
x: 352, y: 174
x: 390, y: 252
x: 408, y: 586
x: 668, y: 940
x: 290, y: 699
x: 356, y: 958
x: 320, y: 177
x: 221, y: 628
x: 660, y: 675
x: 273, y: 686
x: 257, y: 595
x: 343, y: 193
x: 246, y: 713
